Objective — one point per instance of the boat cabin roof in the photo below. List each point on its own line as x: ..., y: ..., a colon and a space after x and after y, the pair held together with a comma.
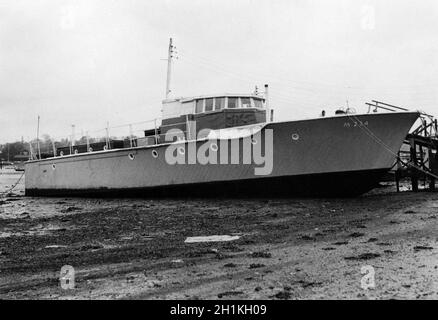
x: 236, y: 95
x: 177, y: 107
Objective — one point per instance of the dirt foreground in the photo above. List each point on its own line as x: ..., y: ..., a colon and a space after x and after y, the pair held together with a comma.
x: 286, y: 249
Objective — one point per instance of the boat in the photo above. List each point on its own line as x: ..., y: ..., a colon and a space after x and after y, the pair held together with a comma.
x: 229, y: 145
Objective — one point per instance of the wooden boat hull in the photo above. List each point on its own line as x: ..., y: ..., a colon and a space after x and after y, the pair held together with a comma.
x: 337, y: 156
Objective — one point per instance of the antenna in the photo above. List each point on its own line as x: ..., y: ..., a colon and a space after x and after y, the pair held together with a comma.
x: 169, y: 66
x: 269, y: 114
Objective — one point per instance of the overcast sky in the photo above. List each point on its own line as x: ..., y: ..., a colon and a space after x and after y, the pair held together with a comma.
x: 92, y: 61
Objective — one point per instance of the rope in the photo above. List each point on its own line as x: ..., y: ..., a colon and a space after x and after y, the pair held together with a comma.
x: 5, y: 193
x: 410, y: 164
x: 370, y: 133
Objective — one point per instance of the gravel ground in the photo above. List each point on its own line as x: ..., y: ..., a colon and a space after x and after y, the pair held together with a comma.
x: 286, y: 248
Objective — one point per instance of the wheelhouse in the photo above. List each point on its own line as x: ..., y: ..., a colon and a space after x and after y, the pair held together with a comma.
x: 212, y: 112
x: 214, y: 104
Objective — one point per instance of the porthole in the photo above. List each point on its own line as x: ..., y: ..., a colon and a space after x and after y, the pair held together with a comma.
x: 254, y: 141
x: 214, y: 147
x: 154, y: 153
x: 295, y: 136
x: 53, y: 166
x: 182, y: 150
x: 131, y: 156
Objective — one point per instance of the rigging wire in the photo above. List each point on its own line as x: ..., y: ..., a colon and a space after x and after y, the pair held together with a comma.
x: 8, y: 191
x: 246, y: 79
x: 251, y: 75
x: 223, y: 66
x: 330, y: 87
x: 371, y: 134
x: 315, y: 96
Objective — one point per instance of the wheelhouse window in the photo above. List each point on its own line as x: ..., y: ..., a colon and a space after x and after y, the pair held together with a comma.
x: 219, y: 103
x: 199, y: 106
x: 232, y: 103
x: 246, y: 102
x: 258, y: 103
x: 209, y: 104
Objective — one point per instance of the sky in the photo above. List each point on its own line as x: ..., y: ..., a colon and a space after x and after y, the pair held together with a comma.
x: 94, y: 62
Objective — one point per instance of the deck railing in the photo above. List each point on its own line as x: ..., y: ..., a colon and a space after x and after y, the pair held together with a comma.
x: 122, y: 136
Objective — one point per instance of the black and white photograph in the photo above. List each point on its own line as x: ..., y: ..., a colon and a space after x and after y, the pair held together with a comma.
x: 243, y: 153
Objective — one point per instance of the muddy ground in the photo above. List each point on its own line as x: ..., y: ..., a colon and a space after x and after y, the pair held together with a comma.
x: 287, y: 248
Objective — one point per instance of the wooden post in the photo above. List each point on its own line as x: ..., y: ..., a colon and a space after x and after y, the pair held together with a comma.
x: 397, y: 173
x: 414, y: 177
x: 421, y: 164
x: 432, y: 159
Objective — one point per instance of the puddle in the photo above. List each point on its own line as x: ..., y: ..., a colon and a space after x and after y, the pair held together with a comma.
x: 39, y: 230
x: 177, y: 261
x: 5, y: 234
x: 216, y: 238
x: 55, y: 246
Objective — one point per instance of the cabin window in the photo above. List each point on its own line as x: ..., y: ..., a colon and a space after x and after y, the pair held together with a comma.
x: 258, y: 103
x: 209, y: 104
x: 199, y: 106
x: 246, y: 102
x: 232, y: 103
x: 219, y: 103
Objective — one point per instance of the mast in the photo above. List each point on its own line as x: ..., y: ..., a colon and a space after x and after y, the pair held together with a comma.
x: 169, y: 68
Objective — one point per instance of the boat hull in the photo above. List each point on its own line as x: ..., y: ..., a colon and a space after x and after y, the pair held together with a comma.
x: 339, y: 184
x: 338, y: 156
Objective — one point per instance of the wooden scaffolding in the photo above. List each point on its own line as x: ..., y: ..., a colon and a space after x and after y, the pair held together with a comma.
x: 418, y: 157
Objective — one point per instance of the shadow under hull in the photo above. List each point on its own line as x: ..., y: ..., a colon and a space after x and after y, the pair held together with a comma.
x: 339, y: 184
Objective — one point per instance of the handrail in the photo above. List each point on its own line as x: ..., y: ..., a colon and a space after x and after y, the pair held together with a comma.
x: 377, y: 107
x: 389, y: 105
